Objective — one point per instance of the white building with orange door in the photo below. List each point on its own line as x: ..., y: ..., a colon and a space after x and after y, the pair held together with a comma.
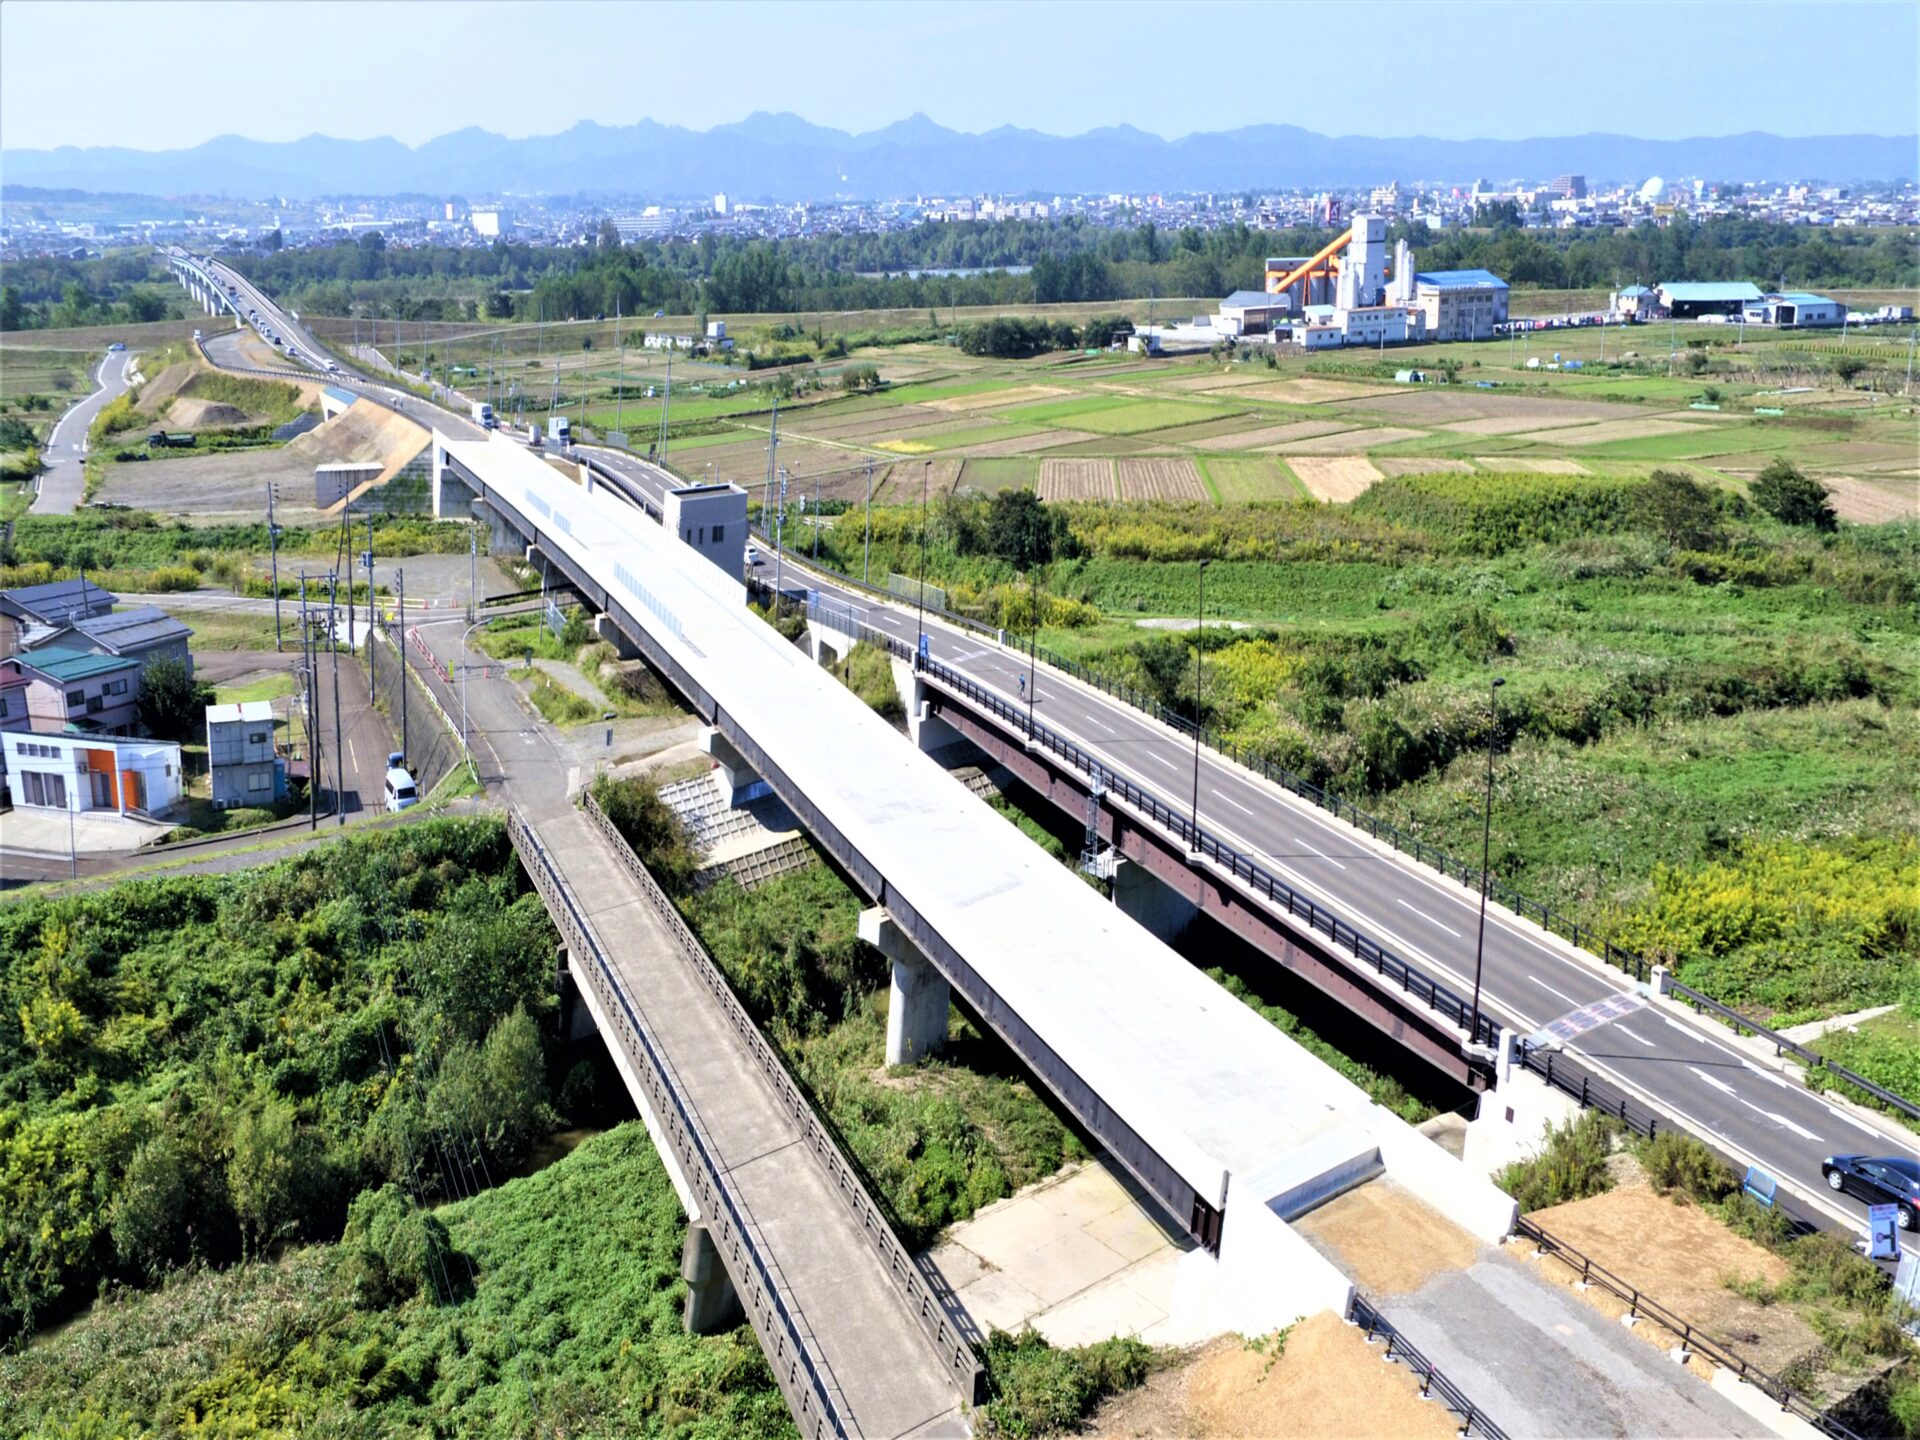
x: 81, y: 773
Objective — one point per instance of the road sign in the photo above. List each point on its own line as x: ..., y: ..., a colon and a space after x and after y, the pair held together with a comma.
x: 1883, y: 1232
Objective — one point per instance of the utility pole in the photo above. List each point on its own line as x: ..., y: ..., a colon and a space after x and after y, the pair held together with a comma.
x: 400, y: 580
x: 666, y: 398
x: 369, y: 564
x: 473, y: 572
x: 339, y: 743
x: 273, y: 547
x: 779, y: 525
x: 619, y: 366
x: 816, y: 517
x: 313, y: 738
x: 866, y: 569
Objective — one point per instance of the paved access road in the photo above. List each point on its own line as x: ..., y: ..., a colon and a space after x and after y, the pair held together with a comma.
x: 65, y: 480
x: 1687, y: 1068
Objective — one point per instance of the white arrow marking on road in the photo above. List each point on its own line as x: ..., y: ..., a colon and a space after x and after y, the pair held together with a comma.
x: 1779, y: 1119
x: 1770, y: 1077
x: 1712, y: 1080
x: 1636, y: 1035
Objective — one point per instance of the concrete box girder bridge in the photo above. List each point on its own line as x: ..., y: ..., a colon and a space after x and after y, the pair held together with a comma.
x: 1197, y: 1097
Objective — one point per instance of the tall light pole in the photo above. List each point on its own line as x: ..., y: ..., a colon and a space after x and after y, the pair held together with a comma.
x: 926, y: 481
x: 1033, y: 646
x: 1199, y: 645
x: 866, y: 568
x: 1486, y: 851
x: 273, y: 544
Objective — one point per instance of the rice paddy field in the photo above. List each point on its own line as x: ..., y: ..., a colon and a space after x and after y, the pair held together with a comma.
x: 1078, y: 425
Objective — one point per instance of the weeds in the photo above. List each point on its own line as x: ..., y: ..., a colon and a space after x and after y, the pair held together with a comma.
x: 1571, y: 1165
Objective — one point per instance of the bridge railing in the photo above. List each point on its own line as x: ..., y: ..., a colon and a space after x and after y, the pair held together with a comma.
x: 1691, y: 1337
x: 1254, y: 877
x: 962, y: 1365
x: 819, y: 1408
x: 1474, y: 1420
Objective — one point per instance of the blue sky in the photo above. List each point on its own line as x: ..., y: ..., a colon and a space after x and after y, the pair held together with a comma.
x: 133, y: 74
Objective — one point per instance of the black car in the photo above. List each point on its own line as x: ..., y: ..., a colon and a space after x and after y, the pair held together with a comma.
x: 1879, y: 1180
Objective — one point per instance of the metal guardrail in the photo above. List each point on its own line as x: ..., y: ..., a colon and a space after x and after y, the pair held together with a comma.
x: 1782, y: 1045
x: 1474, y: 1420
x: 1691, y: 1338
x: 819, y: 1408
x: 962, y: 1365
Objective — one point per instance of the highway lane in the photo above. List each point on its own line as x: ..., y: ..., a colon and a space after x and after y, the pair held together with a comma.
x: 64, y: 481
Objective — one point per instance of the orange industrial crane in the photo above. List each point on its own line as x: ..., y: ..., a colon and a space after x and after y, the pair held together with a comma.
x: 1321, y: 264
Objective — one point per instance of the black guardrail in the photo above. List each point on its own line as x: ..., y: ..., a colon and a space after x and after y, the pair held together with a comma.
x: 1691, y: 1337
x: 818, y: 1407
x: 963, y: 1366
x: 1473, y: 1419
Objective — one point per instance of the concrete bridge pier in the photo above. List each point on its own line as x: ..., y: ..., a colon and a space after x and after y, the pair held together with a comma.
x: 712, y: 1303
x: 928, y: 730
x: 827, y: 644
x: 736, y: 778
x: 920, y: 997
x: 605, y: 629
x: 576, y: 1019
x: 1148, y: 900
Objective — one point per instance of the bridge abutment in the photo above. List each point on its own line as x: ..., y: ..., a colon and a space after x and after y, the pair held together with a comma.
x: 919, y: 999
x: 928, y: 730
x: 712, y: 1303
x: 605, y: 629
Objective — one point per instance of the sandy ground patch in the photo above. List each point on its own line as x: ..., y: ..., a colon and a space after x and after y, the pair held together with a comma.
x: 1310, y: 391
x: 1076, y: 480
x: 1276, y: 434
x: 1685, y: 1272
x: 1423, y: 465
x: 1873, y: 502
x: 1346, y: 441
x: 1214, y: 382
x: 995, y: 399
x: 229, y: 486
x: 360, y: 432
x: 1334, y: 477
x: 1610, y: 430
x: 155, y: 394
x: 909, y: 477
x: 1529, y: 465
x: 1389, y: 1242
x: 1327, y: 1381
x: 191, y: 414
x: 1159, y: 480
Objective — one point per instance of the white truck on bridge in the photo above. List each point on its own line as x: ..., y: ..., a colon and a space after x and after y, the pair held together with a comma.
x: 483, y: 414
x: 559, y: 431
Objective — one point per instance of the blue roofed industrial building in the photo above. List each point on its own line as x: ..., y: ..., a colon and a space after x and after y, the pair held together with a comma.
x: 1686, y: 299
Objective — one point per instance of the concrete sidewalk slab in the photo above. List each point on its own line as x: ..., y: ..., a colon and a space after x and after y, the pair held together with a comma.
x: 32, y: 830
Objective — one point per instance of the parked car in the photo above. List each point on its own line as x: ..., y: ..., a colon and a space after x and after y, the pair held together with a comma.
x: 402, y: 793
x: 1879, y: 1180
x: 753, y: 554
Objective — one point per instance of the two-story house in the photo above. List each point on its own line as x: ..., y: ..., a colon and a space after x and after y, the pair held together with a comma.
x: 94, y: 694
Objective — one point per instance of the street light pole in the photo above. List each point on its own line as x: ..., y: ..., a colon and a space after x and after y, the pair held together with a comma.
x: 926, y: 480
x: 1199, y: 644
x: 1033, y: 648
x: 866, y: 568
x: 273, y: 545
x: 1486, y: 852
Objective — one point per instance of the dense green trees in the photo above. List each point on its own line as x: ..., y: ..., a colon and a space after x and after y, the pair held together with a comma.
x: 1791, y: 496
x: 171, y: 701
x: 196, y: 1067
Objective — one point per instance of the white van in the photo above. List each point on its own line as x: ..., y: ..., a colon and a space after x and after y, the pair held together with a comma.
x: 402, y: 793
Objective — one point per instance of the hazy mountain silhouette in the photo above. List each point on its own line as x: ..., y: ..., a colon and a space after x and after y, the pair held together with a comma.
x: 784, y: 157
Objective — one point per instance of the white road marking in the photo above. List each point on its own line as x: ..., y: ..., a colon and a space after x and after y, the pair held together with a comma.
x: 1551, y: 991
x: 1160, y: 759
x: 1338, y: 866
x: 1693, y: 1034
x: 1770, y: 1077
x: 1779, y: 1119
x: 1857, y: 1124
x: 1231, y: 801
x: 1403, y: 904
x: 1636, y: 1035
x: 1712, y: 1080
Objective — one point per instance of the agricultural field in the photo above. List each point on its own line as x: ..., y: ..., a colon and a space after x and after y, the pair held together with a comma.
x: 1159, y: 480
x: 1076, y: 480
x: 1238, y: 479
x: 1334, y: 478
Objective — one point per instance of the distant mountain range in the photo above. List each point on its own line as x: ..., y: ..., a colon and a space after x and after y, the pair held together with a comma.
x: 783, y: 157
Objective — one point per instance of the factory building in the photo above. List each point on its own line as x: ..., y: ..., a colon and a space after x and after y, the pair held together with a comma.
x: 1354, y: 293
x: 1796, y: 308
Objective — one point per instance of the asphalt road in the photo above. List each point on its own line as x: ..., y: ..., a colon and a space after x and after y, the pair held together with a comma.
x: 1688, y: 1068
x: 65, y: 479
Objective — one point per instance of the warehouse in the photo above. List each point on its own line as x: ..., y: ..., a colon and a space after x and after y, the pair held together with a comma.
x: 1797, y: 308
x: 1690, y: 299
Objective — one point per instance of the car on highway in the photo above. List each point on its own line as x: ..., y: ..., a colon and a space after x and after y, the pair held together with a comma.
x: 117, y: 345
x: 1879, y: 1180
x: 401, y: 792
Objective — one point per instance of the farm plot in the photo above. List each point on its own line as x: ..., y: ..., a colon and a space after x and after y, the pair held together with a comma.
x: 874, y: 422
x: 1347, y: 441
x: 1214, y: 382
x: 1243, y: 478
x: 1020, y: 444
x: 1277, y: 434
x: 1526, y: 465
x: 1427, y: 465
x: 1469, y: 405
x: 905, y: 479
x: 1159, y: 480
x: 994, y: 399
x: 1335, y: 478
x: 1208, y: 430
x: 1310, y: 391
x: 1610, y: 430
x: 1138, y: 416
x: 1504, y: 424
x: 1063, y: 412
x: 1076, y: 480
x: 990, y: 476
x: 1872, y: 502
